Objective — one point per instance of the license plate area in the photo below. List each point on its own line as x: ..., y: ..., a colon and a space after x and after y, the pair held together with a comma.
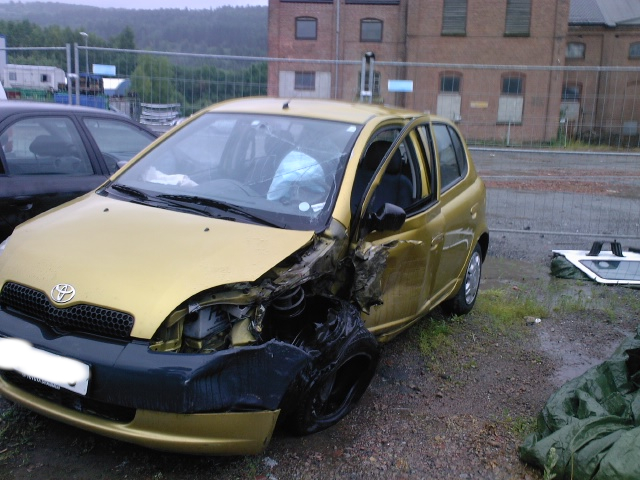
x: 55, y: 371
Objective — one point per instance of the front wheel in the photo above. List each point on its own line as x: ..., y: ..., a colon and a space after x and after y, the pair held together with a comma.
x: 333, y: 390
x: 465, y: 297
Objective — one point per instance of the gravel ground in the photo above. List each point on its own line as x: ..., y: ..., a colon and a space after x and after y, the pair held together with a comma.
x: 459, y: 413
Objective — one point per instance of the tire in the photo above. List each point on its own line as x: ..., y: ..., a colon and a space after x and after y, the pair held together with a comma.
x: 467, y: 294
x: 333, y: 391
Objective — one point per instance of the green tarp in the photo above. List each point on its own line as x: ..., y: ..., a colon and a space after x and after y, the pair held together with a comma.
x: 590, y: 427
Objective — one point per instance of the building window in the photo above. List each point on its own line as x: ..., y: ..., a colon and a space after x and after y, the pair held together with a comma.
x: 450, y: 83
x: 13, y: 76
x: 511, y: 101
x: 634, y: 50
x: 44, y: 78
x: 305, y: 81
x: 370, y: 30
x: 512, y: 85
x: 518, y: 19
x: 571, y: 93
x: 575, y: 50
x: 454, y: 17
x: 306, y: 28
x: 449, y: 99
x: 373, y: 2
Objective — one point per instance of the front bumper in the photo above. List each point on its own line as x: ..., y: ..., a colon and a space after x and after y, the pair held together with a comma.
x: 221, y: 403
x: 246, y: 433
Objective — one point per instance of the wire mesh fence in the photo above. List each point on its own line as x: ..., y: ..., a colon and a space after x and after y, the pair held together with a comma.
x: 559, y: 147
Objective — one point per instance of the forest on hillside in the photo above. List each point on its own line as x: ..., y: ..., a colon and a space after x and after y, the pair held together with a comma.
x: 224, y: 31
x: 191, y: 82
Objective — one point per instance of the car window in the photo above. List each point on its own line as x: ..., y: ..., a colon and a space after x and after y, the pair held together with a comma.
x: 278, y: 169
x: 401, y: 184
x: 453, y: 161
x: 118, y: 141
x: 44, y: 146
x: 425, y: 143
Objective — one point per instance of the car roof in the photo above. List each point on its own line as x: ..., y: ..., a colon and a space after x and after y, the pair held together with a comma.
x: 11, y: 107
x: 358, y: 113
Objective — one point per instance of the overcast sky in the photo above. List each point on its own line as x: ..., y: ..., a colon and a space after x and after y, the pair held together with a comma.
x: 153, y: 4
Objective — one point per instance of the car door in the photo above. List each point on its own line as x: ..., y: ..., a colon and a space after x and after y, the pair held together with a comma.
x: 460, y: 205
x: 408, y: 257
x: 45, y: 162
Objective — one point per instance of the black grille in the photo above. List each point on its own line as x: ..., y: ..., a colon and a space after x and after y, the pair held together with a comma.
x: 71, y: 400
x: 79, y: 318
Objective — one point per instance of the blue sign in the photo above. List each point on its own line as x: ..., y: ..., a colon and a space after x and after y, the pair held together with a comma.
x: 400, y: 85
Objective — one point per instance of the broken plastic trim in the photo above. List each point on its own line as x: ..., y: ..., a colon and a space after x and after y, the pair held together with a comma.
x: 608, y: 267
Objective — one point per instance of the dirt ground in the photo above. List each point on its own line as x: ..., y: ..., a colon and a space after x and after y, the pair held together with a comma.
x: 457, y: 413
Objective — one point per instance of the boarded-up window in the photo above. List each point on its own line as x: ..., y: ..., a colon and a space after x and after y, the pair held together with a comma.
x: 518, y: 19
x: 511, y: 101
x: 454, y: 17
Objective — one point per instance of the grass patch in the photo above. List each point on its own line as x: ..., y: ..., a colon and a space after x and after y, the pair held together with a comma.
x: 504, y: 311
x: 435, y: 337
x: 497, y: 311
x: 519, y: 426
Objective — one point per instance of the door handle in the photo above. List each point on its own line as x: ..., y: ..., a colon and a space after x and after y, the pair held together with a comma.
x: 23, y: 203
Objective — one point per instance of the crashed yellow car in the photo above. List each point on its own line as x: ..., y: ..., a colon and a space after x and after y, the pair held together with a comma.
x: 240, y: 272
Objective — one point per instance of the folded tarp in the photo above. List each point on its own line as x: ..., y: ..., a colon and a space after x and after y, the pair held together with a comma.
x: 590, y: 427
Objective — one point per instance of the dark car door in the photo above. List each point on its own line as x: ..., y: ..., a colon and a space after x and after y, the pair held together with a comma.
x: 49, y: 159
x: 45, y: 162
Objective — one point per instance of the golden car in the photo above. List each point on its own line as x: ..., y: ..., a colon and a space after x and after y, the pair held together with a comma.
x: 240, y: 272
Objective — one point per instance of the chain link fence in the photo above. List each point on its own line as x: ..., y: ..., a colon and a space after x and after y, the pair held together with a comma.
x: 558, y: 147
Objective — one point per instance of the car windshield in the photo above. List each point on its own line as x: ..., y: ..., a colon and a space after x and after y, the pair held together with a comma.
x: 276, y: 170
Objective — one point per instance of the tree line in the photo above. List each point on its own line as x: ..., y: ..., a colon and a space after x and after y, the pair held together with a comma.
x: 154, y: 78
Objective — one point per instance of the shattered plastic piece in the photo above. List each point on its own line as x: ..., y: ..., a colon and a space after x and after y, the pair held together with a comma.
x: 608, y: 267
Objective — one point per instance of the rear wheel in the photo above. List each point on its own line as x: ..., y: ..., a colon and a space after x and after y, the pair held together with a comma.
x: 466, y: 296
x: 333, y: 390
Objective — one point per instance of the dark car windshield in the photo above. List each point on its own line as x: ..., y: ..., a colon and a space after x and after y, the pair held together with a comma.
x: 283, y: 170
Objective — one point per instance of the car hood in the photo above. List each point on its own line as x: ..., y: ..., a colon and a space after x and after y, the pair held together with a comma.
x: 138, y: 259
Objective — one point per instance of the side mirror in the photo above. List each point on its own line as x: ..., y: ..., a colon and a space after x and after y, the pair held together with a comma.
x: 389, y: 217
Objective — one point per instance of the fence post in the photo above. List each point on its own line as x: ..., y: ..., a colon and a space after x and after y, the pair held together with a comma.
x: 76, y: 57
x: 68, y: 72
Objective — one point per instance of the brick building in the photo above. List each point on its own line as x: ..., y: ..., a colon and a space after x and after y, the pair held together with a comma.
x: 495, y: 66
x: 422, y: 39
x: 605, y: 34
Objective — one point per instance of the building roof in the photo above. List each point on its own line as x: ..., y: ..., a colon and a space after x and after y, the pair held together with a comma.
x: 611, y: 13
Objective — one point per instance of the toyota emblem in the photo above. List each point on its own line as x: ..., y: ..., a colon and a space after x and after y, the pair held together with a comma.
x: 62, y: 293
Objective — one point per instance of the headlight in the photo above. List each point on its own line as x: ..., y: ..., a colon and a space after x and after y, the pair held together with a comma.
x: 195, y: 329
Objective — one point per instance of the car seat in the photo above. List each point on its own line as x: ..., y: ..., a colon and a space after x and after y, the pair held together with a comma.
x: 394, y: 187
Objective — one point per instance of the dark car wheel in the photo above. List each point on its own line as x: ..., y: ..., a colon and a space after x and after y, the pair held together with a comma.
x: 334, y: 390
x: 466, y: 296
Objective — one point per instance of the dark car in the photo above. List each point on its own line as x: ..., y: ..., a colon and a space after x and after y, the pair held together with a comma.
x: 53, y: 153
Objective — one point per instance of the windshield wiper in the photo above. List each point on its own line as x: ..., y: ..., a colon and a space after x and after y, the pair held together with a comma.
x: 130, y: 191
x: 232, y: 209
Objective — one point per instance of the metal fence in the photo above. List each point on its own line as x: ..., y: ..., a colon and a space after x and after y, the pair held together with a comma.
x: 559, y: 147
